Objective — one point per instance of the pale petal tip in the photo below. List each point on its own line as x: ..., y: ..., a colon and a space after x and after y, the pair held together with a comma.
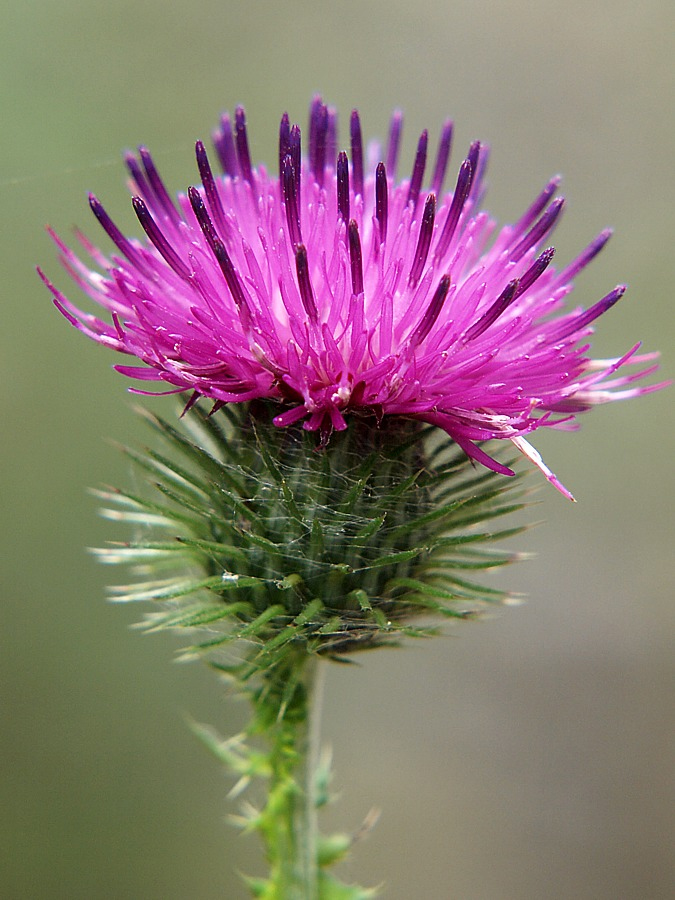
x: 534, y: 456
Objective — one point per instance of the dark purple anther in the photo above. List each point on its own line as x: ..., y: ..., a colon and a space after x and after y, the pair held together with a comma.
x: 424, y: 240
x: 538, y: 231
x: 294, y: 148
x: 462, y: 188
x: 219, y: 251
x: 357, y: 152
x: 284, y: 143
x: 223, y: 141
x: 585, y: 256
x: 580, y: 322
x: 395, y: 128
x: 138, y: 176
x: 304, y: 283
x: 200, y: 211
x: 538, y: 206
x: 317, y: 153
x: 478, y: 156
x: 314, y: 108
x: 507, y: 296
x: 210, y: 189
x: 444, y: 144
x: 381, y: 200
x: 418, y: 170
x: 295, y: 151
x: 119, y: 240
x: 537, y: 269
x: 331, y: 136
x: 291, y: 202
x: 157, y: 185
x: 155, y: 234
x: 355, y: 257
x: 241, y: 140
x: 432, y: 312
x: 343, y: 186
x: 474, y: 154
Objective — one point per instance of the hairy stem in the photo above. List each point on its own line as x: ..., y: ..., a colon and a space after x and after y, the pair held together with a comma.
x: 312, y: 759
x: 289, y: 709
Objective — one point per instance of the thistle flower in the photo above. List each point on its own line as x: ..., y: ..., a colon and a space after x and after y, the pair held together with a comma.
x: 373, y: 313
x: 336, y: 290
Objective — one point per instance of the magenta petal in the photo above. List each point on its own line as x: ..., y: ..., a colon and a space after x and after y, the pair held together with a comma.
x: 331, y: 290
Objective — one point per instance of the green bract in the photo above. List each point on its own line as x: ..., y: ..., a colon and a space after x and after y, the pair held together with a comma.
x: 291, y: 547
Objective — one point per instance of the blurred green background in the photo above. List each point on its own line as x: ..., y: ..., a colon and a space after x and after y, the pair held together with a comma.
x: 528, y: 756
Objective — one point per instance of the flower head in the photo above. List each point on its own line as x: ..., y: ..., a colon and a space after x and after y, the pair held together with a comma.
x: 334, y: 289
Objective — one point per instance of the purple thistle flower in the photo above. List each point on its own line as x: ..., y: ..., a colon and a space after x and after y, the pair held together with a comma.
x: 336, y: 292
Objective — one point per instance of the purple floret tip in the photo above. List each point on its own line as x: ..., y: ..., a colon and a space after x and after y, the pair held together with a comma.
x: 442, y: 157
x: 357, y: 152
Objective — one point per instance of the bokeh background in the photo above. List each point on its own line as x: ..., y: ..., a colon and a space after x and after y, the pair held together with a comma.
x: 527, y: 756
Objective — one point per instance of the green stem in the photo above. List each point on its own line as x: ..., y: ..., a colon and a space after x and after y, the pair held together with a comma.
x: 312, y: 760
x: 289, y: 709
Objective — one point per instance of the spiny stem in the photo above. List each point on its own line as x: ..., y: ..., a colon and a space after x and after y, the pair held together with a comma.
x: 312, y: 759
x: 288, y: 822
